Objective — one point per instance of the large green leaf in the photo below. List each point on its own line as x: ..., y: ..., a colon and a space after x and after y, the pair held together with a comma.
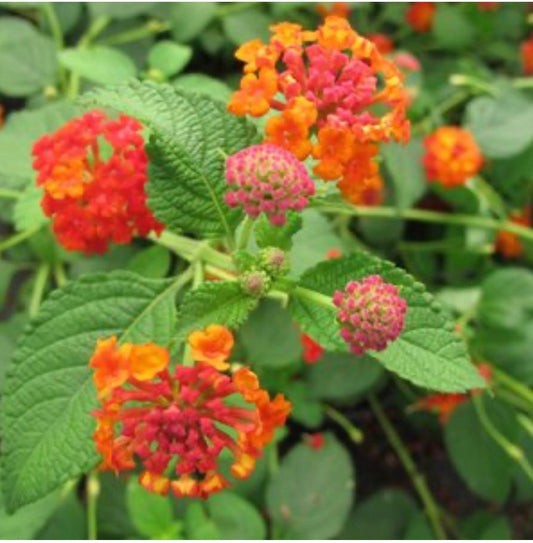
x: 28, y: 60
x: 505, y: 312
x: 451, y: 28
x: 479, y: 460
x: 190, y: 18
x: 220, y: 302
x: 169, y: 57
x: 247, y: 25
x: 68, y: 521
x: 311, y: 494
x: 428, y: 352
x: 49, y: 393
x: 190, y: 133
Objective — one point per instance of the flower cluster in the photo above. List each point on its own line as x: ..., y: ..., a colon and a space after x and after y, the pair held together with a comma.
x: 267, y: 179
x: 452, y: 156
x: 526, y: 50
x: 420, y: 15
x: 93, y: 171
x: 509, y: 244
x: 328, y: 86
x: 174, y: 424
x: 371, y: 313
x: 341, y: 9
x: 445, y: 404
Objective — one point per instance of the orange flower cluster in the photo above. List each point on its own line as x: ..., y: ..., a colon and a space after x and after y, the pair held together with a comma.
x: 420, y: 15
x: 93, y: 171
x: 340, y: 9
x: 526, y: 50
x: 488, y: 6
x: 509, y: 244
x: 445, y: 404
x: 327, y: 85
x: 452, y: 156
x: 175, y: 425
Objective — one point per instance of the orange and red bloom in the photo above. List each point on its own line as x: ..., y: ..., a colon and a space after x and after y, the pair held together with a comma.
x: 526, y: 50
x: 509, y: 244
x: 452, y: 156
x: 420, y: 15
x: 93, y: 172
x: 326, y: 85
x: 174, y: 423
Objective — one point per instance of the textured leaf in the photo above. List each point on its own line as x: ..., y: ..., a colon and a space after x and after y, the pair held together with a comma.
x: 311, y: 494
x: 220, y: 302
x: 505, y: 312
x: 100, y: 64
x: 48, y: 395
x: 384, y: 515
x: 428, y: 352
x: 343, y: 376
x: 268, y: 235
x: 28, y: 60
x: 479, y: 460
x: 203, y: 84
x: 189, y: 132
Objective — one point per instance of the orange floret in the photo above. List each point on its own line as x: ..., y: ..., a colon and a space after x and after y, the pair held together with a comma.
x: 420, y: 15
x: 212, y: 346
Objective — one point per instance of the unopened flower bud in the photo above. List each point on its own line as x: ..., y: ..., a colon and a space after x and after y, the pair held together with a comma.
x: 255, y: 283
x: 274, y: 261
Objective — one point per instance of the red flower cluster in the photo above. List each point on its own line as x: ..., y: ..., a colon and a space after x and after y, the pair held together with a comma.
x: 526, y: 50
x: 327, y: 86
x: 93, y: 171
x: 420, y: 15
x: 175, y: 425
x: 452, y: 156
x: 509, y: 244
x: 445, y: 404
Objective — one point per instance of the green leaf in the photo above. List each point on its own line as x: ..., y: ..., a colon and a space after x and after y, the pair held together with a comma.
x: 27, y: 521
x: 169, y: 57
x: 311, y: 494
x: 384, y: 515
x: 203, y: 84
x: 198, y: 525
x: 484, y: 525
x: 100, y: 64
x: 68, y: 522
x: 190, y: 18
x: 9, y: 332
x: 270, y: 337
x: 27, y: 213
x: 151, y: 514
x: 49, y: 393
x: 452, y: 30
x: 189, y: 131
x: 505, y: 314
x: 113, y: 518
x: 419, y: 528
x: 428, y: 352
x: 343, y: 376
x: 502, y: 126
x: 119, y: 10
x: 488, y: 474
x: 234, y: 517
x: 28, y: 60
x: 305, y: 409
x: 268, y: 235
x: 219, y: 302
x: 404, y: 163
x: 153, y: 262
x: 247, y: 25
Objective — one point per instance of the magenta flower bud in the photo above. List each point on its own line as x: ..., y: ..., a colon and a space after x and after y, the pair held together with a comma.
x: 371, y: 314
x: 267, y: 179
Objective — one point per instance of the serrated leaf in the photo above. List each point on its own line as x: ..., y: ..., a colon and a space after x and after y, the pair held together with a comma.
x: 311, y: 494
x: 49, y: 393
x: 28, y: 61
x: 489, y: 474
x: 428, y: 352
x: 219, y: 302
x: 189, y: 131
x: 269, y: 235
x: 100, y: 64
x: 150, y: 513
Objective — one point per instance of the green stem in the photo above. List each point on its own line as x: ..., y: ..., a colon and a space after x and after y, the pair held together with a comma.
x: 452, y: 101
x: 149, y: 29
x: 57, y: 34
x: 512, y: 384
x: 59, y: 275
x: 526, y: 423
x: 18, y: 238
x: 443, y: 246
x: 423, y: 215
x: 418, y: 480
x: 39, y: 286
x: 514, y: 400
x: 246, y: 232
x: 273, y: 459
x: 511, y: 449
x: 221, y: 274
x: 92, y: 492
x: 10, y: 194
x: 353, y: 432
x: 315, y: 297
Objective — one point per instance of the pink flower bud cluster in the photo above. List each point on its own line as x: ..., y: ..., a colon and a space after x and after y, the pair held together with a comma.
x: 267, y: 179
x: 371, y: 313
